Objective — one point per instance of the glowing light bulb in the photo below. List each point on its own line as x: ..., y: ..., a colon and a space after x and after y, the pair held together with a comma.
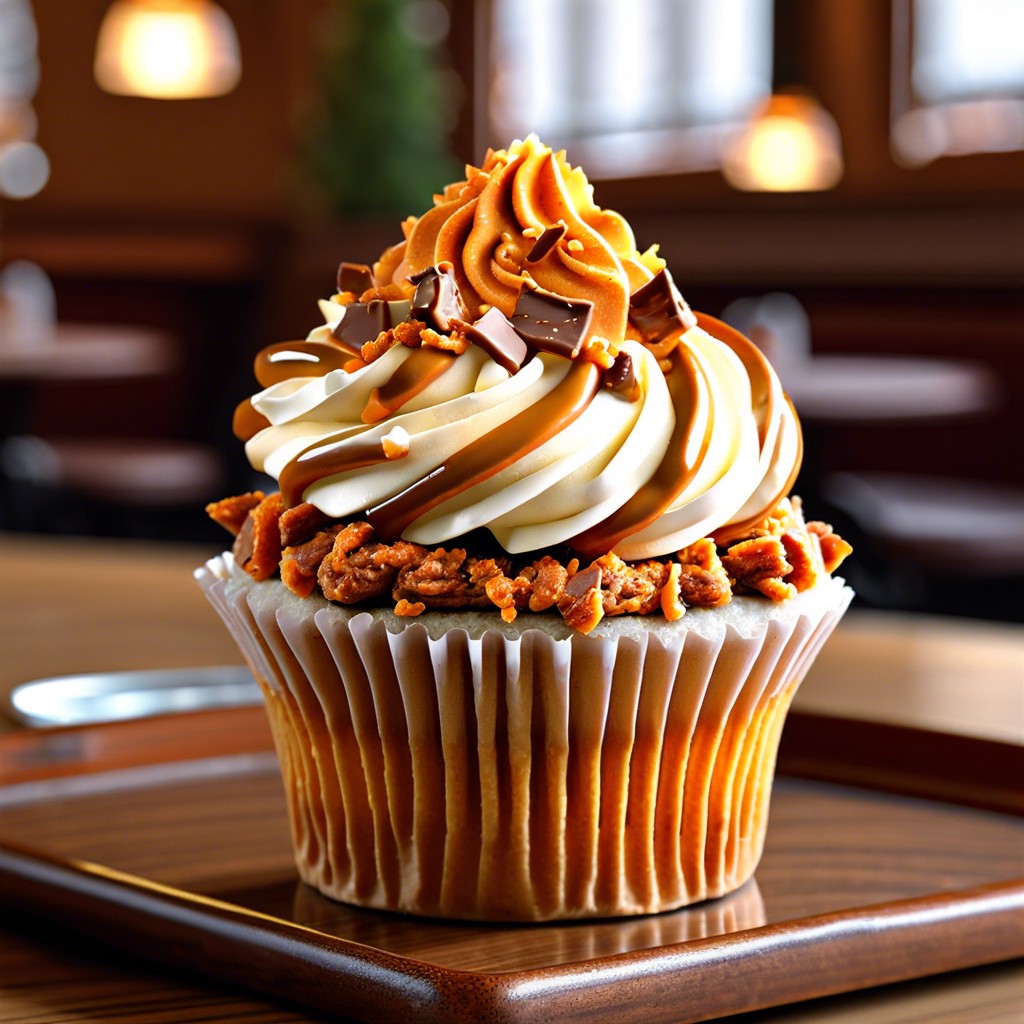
x: 790, y: 145
x: 167, y: 49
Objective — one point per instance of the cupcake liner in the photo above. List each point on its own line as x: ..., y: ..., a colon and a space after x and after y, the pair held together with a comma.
x: 506, y: 774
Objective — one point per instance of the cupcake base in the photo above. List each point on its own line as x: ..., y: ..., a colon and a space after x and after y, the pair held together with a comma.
x: 456, y: 766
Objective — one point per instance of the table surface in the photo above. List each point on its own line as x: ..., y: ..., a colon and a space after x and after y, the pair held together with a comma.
x: 71, y: 606
x: 869, y: 389
x: 87, y: 352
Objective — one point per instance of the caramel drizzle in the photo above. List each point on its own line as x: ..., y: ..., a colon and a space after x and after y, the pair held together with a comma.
x: 736, y: 531
x: 671, y: 477
x: 342, y: 455
x: 760, y: 373
x: 247, y: 422
x: 414, y: 374
x: 491, y: 453
x: 422, y: 368
x: 312, y: 359
x: 754, y: 362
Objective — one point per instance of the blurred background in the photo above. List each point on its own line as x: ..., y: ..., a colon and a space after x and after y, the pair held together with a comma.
x: 844, y: 181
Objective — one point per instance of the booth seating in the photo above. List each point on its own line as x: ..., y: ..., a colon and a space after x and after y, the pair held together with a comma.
x: 109, y: 486
x: 935, y: 544
x: 94, y: 483
x: 922, y: 542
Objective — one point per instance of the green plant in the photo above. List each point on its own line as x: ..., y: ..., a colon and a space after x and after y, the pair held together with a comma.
x: 378, y: 141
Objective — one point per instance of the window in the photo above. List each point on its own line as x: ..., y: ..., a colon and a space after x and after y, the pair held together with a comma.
x: 958, y: 78
x: 645, y: 87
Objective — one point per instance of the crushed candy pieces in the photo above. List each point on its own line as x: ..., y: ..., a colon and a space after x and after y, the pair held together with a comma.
x: 781, y: 558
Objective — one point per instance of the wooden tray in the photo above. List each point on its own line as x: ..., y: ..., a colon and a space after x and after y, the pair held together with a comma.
x: 189, y: 861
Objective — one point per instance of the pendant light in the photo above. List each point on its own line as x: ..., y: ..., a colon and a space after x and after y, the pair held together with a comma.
x: 167, y: 49
x: 791, y: 143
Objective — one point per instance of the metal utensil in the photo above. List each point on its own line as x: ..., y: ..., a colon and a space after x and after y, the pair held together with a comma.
x: 113, y: 696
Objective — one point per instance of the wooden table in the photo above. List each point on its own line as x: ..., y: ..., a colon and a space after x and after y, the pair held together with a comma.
x: 76, y: 352
x: 69, y: 606
x: 845, y: 389
x: 87, y: 352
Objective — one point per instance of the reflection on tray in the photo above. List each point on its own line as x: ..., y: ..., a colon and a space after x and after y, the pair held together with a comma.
x: 523, y: 946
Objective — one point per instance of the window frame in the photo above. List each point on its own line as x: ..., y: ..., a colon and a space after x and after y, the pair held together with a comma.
x: 839, y: 41
x: 907, y: 106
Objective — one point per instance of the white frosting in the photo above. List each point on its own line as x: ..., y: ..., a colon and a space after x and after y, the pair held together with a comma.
x: 568, y: 484
x: 602, y: 479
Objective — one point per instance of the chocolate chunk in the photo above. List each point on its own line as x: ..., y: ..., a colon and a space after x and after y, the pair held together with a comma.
x: 245, y: 542
x: 496, y: 336
x: 583, y: 581
x: 551, y: 323
x: 621, y: 378
x: 362, y: 322
x: 354, y: 277
x: 545, y: 242
x: 657, y: 310
x: 437, y: 301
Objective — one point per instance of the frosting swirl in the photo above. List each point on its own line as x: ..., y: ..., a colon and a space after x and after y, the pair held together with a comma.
x: 487, y: 225
x: 629, y: 424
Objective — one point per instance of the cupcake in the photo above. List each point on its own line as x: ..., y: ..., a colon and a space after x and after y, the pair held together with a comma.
x: 532, y: 598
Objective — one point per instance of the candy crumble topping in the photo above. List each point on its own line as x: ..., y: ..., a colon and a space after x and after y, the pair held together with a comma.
x: 349, y: 564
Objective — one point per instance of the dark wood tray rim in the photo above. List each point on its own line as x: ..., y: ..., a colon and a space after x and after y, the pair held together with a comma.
x: 753, y: 969
x: 690, y: 981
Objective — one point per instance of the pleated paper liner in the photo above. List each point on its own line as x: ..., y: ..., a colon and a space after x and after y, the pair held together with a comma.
x: 498, y: 773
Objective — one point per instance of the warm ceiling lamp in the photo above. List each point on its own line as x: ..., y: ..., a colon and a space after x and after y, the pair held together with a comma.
x: 790, y: 145
x: 167, y: 49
